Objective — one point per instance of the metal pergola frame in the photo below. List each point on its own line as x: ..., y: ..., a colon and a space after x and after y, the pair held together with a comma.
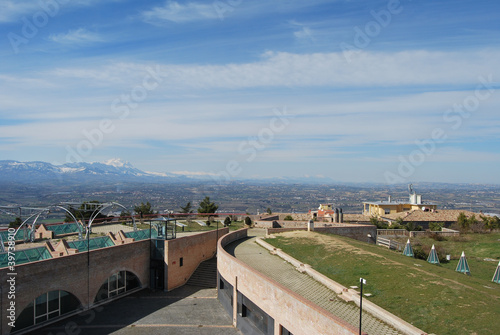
x: 35, y: 213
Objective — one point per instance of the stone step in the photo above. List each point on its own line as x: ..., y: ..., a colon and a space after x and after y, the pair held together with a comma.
x: 205, y: 275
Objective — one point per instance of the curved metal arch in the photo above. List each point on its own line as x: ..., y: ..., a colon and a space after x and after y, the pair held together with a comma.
x: 78, y: 224
x: 31, y: 234
x: 99, y: 209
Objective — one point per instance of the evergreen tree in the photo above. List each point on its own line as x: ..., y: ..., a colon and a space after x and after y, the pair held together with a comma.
x: 16, y: 223
x: 207, y: 207
x: 144, y: 209
x: 462, y: 221
x: 187, y: 209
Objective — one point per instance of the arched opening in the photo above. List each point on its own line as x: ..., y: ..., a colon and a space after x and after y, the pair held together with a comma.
x: 117, y: 284
x: 48, y: 306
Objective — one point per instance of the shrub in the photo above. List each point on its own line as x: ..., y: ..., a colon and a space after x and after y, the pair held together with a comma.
x: 248, y: 221
x: 437, y: 237
x: 436, y: 226
x: 423, y: 251
x: 395, y: 226
x: 419, y: 253
x: 288, y: 218
x: 411, y: 226
x: 463, y: 222
x: 374, y: 220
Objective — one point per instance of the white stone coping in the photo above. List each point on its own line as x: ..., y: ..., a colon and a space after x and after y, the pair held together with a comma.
x: 344, y: 293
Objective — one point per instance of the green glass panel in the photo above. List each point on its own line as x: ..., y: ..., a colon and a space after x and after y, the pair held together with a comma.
x: 45, y: 254
x: 21, y: 257
x: 4, y: 260
x: 18, y: 237
x: 32, y: 254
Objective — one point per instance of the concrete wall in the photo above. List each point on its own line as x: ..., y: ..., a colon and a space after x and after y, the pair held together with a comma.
x: 193, y: 250
x: 355, y: 231
x: 73, y: 274
x: 293, y: 312
x: 283, y: 224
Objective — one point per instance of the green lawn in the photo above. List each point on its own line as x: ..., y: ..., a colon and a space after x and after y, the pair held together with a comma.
x: 477, y: 248
x: 433, y: 298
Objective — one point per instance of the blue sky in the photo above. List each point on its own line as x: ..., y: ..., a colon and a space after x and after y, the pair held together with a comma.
x: 377, y: 91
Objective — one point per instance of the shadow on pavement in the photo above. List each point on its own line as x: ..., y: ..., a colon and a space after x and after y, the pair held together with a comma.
x: 186, y: 310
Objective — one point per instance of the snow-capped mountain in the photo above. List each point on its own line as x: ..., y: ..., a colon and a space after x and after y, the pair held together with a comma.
x: 113, y: 169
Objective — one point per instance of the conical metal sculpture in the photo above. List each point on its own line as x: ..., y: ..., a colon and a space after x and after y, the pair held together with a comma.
x: 462, y: 265
x: 496, y: 276
x: 433, y: 256
x: 408, y: 251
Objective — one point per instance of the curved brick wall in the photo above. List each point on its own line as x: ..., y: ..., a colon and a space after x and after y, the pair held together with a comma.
x: 293, y: 312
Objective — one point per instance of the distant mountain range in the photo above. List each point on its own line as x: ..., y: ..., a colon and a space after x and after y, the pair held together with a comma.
x: 112, y: 170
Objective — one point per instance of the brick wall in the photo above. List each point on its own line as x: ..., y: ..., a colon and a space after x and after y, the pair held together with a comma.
x: 71, y: 273
x: 193, y: 250
x: 300, y: 316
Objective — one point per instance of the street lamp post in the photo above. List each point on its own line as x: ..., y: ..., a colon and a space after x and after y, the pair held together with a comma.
x: 361, y: 282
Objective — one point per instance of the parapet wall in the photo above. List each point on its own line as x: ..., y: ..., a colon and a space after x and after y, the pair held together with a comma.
x: 364, y: 233
x: 286, y: 308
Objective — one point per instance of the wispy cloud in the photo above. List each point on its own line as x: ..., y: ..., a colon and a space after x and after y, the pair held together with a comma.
x: 76, y: 37
x: 10, y: 10
x: 304, y: 32
x: 13, y: 10
x: 176, y: 12
x: 313, y: 70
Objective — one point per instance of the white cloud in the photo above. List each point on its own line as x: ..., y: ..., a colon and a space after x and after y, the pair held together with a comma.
x: 304, y: 33
x: 12, y: 10
x: 77, y: 36
x: 175, y: 12
x: 280, y: 69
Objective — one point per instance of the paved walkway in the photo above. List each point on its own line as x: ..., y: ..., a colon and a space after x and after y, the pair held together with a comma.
x: 284, y: 273
x: 114, y: 228
x: 188, y: 310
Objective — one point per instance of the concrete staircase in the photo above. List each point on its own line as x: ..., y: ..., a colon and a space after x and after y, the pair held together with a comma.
x: 205, y: 274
